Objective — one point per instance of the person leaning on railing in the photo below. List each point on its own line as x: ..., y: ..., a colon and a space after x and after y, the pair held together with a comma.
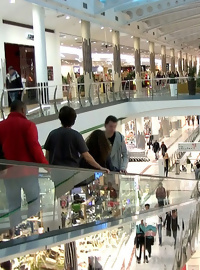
x: 65, y: 146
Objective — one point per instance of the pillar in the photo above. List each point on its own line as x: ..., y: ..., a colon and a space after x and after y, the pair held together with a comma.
x: 40, y: 44
x: 152, y: 57
x: 163, y: 55
x: 186, y: 63
x: 194, y: 60
x: 140, y: 124
x: 180, y: 70
x: 2, y: 59
x: 87, y: 56
x: 190, y: 61
x: 172, y: 52
x: 117, y: 60
x: 136, y: 43
x: 155, y: 127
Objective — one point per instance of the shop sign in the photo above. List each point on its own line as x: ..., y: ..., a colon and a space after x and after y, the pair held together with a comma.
x: 188, y: 147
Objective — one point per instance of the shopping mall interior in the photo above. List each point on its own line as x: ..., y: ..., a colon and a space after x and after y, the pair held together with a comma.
x: 137, y: 60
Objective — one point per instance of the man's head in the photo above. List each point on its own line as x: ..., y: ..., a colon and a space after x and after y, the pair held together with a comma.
x: 18, y: 106
x: 11, y: 70
x: 163, y: 143
x: 111, y: 124
x: 67, y: 116
x: 147, y: 206
x: 198, y: 165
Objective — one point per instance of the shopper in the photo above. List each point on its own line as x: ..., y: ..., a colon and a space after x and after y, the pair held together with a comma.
x: 159, y: 227
x: 198, y: 120
x: 99, y: 149
x: 166, y: 165
x: 175, y: 225
x: 161, y: 195
x: 13, y: 81
x: 197, y: 171
x: 119, y: 155
x: 140, y: 242
x: 19, y: 136
x: 193, y: 119
x: 64, y: 145
x: 163, y: 148
x: 156, y: 149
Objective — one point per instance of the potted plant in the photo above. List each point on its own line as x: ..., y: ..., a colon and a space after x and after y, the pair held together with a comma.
x: 173, y: 85
x: 130, y: 77
x: 191, y: 81
x: 198, y: 83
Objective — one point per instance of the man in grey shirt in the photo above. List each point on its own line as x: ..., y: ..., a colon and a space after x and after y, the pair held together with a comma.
x: 119, y: 155
x: 64, y: 146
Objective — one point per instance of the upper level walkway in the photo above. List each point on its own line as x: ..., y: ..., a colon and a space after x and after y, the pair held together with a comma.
x: 156, y: 97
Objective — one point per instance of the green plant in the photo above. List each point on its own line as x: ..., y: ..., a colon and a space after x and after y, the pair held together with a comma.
x: 64, y: 80
x: 130, y: 75
x: 198, y: 79
x: 192, y: 72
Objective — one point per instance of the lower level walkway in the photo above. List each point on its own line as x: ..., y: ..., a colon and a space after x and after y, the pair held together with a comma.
x: 171, y: 142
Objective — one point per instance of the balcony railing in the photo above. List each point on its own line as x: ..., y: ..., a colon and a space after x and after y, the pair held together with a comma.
x: 47, y: 100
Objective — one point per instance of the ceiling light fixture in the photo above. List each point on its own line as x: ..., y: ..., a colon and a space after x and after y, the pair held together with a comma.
x: 131, y: 36
x: 76, y: 38
x: 102, y: 28
x: 80, y: 21
x: 67, y: 17
x: 12, y: 1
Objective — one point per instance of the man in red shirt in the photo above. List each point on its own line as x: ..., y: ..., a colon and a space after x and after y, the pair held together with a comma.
x: 19, y: 136
x: 19, y: 142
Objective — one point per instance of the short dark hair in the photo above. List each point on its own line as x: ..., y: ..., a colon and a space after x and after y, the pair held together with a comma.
x: 17, y: 106
x: 67, y: 116
x: 147, y: 205
x: 111, y: 118
x: 10, y: 68
x: 198, y: 165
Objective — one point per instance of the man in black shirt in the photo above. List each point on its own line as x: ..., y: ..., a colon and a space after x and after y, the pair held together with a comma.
x: 64, y: 146
x: 13, y: 81
x: 119, y: 155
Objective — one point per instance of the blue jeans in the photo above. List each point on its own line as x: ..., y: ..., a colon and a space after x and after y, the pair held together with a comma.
x: 160, y: 233
x: 14, y: 95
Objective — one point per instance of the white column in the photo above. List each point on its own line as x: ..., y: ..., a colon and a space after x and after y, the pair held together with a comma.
x: 180, y: 64
x: 140, y: 124
x: 163, y: 55
x: 40, y: 43
x: 117, y: 60
x: 172, y: 53
x: 2, y: 57
x: 155, y: 126
x: 152, y: 57
x: 87, y: 55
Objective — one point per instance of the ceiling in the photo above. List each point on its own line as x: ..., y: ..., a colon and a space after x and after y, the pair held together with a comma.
x: 176, y: 26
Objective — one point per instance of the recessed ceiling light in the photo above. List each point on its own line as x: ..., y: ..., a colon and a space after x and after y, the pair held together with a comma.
x: 94, y: 42
x: 102, y: 43
x: 76, y: 38
x: 12, y: 1
x: 102, y: 28
x: 67, y: 17
x: 147, y: 41
x: 80, y: 21
x: 72, y: 45
x: 110, y: 30
x: 102, y: 49
x: 61, y: 43
x: 131, y: 36
x: 65, y: 37
x: 122, y: 47
x: 127, y: 48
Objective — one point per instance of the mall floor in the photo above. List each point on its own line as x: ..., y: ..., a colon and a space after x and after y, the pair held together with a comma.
x: 151, y: 168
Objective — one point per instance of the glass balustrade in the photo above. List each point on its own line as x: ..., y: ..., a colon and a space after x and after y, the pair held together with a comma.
x: 46, y: 206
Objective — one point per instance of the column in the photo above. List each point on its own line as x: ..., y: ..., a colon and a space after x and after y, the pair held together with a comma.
x: 172, y: 52
x: 155, y: 127
x: 117, y: 61
x: 180, y: 63
x: 136, y: 44
x: 190, y: 61
x: 40, y: 44
x: 195, y: 61
x: 87, y: 56
x: 2, y: 59
x: 140, y: 124
x: 163, y: 55
x: 152, y: 57
x: 186, y: 63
